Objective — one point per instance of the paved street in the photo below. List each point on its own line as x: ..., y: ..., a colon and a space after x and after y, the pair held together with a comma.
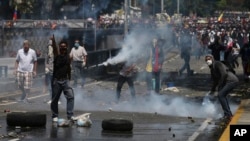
x: 176, y: 114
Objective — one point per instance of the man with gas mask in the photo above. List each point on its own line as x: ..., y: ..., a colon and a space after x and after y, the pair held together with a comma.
x: 60, y: 80
x: 225, y: 80
x: 78, y: 55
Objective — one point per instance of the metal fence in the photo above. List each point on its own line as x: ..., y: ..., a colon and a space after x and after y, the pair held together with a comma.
x: 99, y: 43
x: 38, y: 32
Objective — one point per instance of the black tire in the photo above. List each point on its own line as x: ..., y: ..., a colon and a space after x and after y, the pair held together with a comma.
x: 24, y: 119
x: 117, y: 125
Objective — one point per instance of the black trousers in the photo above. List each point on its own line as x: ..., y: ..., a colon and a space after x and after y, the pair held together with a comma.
x: 121, y: 81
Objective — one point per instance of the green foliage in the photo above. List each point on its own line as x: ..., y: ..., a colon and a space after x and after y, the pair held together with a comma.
x: 26, y: 6
x: 222, y: 4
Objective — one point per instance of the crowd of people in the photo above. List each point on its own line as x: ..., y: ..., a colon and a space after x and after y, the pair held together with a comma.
x: 226, y: 42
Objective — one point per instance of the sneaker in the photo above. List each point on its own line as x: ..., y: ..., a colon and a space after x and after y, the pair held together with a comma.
x: 23, y: 100
x: 20, y: 100
x: 225, y: 120
x: 49, y: 102
x: 26, y: 101
x: 72, y: 118
x: 55, y: 119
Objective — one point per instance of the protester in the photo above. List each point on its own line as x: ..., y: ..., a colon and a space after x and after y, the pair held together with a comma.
x: 235, y: 54
x: 154, y: 65
x: 245, y: 59
x: 49, y: 59
x: 25, y: 69
x: 126, y: 75
x: 60, y: 80
x: 186, y: 48
x: 79, y: 56
x: 217, y: 49
x: 225, y: 81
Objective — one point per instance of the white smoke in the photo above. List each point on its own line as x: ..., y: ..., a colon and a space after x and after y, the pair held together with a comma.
x: 137, y: 43
x: 101, y: 99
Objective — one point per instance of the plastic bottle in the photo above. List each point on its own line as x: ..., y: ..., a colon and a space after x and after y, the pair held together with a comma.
x: 153, y: 83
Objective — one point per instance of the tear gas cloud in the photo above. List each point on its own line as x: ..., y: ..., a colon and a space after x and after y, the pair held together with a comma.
x: 102, y: 99
x: 137, y: 43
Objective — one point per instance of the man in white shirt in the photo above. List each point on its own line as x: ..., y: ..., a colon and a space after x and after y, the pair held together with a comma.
x: 78, y: 55
x: 25, y: 69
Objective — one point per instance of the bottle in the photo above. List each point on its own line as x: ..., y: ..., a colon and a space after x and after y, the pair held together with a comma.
x: 153, y: 83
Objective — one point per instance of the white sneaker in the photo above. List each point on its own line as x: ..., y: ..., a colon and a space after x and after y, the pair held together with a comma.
x: 49, y: 102
x: 55, y: 119
x: 73, y: 118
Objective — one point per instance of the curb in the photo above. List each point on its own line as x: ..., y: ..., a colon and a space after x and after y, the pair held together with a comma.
x: 226, y: 134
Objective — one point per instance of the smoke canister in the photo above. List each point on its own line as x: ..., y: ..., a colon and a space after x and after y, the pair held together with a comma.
x: 60, y: 122
x: 80, y: 122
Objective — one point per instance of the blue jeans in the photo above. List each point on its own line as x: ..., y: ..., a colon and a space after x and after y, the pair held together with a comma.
x: 222, y: 96
x: 185, y: 65
x: 156, y: 76
x: 78, y: 72
x: 48, y: 80
x: 57, y: 88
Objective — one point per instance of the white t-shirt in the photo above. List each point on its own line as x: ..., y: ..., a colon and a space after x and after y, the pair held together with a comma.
x: 78, y: 54
x: 26, y: 60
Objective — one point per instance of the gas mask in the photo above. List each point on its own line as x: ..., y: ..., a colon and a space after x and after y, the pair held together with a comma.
x: 63, y: 49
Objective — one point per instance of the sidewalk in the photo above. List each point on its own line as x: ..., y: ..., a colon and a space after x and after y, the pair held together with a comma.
x: 241, y: 116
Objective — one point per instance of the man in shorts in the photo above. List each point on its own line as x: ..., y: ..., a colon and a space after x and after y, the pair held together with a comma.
x: 25, y: 69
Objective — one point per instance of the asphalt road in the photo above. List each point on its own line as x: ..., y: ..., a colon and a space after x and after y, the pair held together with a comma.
x: 173, y: 115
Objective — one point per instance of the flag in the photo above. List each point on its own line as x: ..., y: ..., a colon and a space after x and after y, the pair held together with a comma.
x: 220, y: 17
x: 15, y: 14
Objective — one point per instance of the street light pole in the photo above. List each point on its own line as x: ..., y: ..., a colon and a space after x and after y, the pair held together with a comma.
x: 178, y: 7
x: 162, y: 6
x: 126, y: 17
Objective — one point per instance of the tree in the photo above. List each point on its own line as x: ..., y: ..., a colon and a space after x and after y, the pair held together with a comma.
x: 222, y: 4
x: 25, y: 7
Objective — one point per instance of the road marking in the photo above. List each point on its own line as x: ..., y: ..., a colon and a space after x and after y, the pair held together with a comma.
x: 9, y: 103
x: 38, y: 96
x: 16, y: 139
x: 200, y: 129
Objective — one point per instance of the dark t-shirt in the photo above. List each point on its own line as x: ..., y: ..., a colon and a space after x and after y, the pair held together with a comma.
x: 62, y: 67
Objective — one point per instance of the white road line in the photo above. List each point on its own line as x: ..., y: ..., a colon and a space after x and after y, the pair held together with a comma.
x: 16, y: 139
x: 34, y: 97
x: 200, y: 129
x: 9, y: 103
